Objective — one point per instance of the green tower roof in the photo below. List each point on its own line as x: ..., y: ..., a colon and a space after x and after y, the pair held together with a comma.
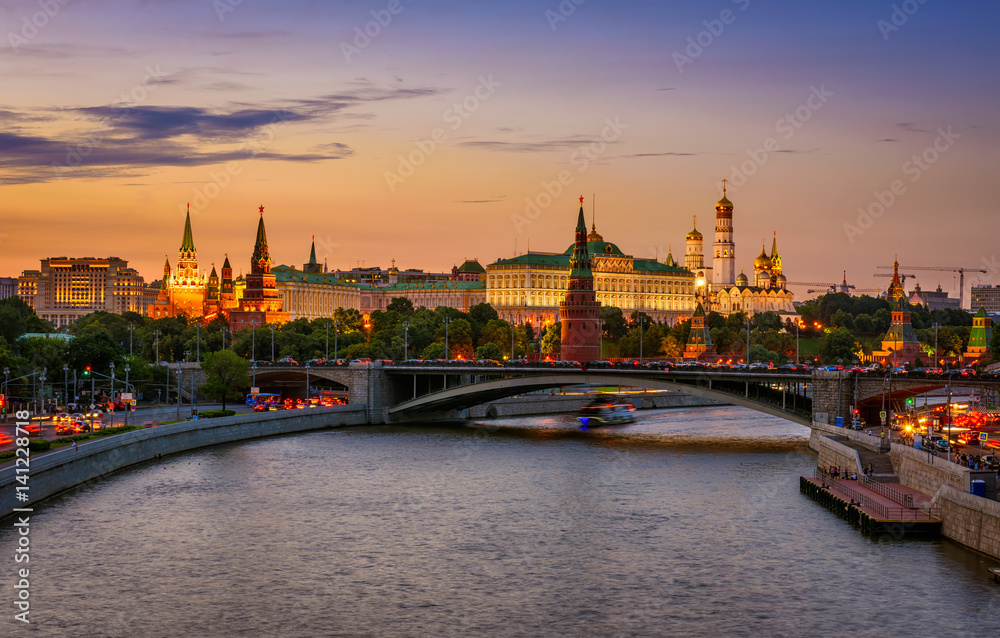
x: 188, y: 242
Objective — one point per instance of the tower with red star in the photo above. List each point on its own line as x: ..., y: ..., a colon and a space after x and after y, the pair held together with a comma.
x: 580, y: 312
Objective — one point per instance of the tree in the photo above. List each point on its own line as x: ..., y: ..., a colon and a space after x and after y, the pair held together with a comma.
x: 497, y: 332
x: 864, y: 324
x: 482, y: 313
x: 551, y: 341
x: 765, y: 321
x: 760, y: 353
x: 226, y: 374
x: 614, y: 323
x: 95, y: 349
x: 433, y: 351
x: 838, y: 345
x: 489, y: 351
x: 842, y: 319
x: 401, y: 305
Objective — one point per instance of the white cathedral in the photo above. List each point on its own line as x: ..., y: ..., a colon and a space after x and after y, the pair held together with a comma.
x: 720, y: 288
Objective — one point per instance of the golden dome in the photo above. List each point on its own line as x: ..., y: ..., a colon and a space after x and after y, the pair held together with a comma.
x: 763, y: 262
x: 741, y: 279
x: 594, y: 235
x: 695, y: 234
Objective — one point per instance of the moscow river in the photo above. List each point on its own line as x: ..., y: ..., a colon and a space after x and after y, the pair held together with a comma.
x: 687, y: 523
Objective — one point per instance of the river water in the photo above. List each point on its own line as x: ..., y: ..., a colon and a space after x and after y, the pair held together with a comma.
x: 687, y: 523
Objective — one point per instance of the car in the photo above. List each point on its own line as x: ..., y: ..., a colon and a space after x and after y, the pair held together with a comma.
x: 942, y: 446
x: 78, y: 416
x: 94, y: 414
x: 288, y: 361
x: 5, y: 439
x: 316, y: 362
x: 60, y: 418
x: 65, y: 428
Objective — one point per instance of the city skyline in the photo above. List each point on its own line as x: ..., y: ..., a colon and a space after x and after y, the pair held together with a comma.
x: 289, y: 107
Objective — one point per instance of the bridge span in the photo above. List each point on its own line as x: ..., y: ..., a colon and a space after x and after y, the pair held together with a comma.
x: 429, y: 391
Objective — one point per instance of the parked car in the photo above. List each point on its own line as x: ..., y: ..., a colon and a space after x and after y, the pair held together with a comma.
x: 288, y: 361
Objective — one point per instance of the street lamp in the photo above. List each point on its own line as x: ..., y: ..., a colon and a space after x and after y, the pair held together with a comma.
x: 198, y: 351
x: 271, y: 326
x: 112, y: 394
x: 66, y: 386
x: 6, y: 373
x: 127, y: 368
x: 253, y: 371
x: 307, y: 384
x: 447, y: 320
x: 798, y: 324
x: 131, y: 327
x: 157, y: 333
x: 253, y: 341
x: 179, y: 373
x: 327, y: 326
x: 41, y: 390
x: 406, y: 341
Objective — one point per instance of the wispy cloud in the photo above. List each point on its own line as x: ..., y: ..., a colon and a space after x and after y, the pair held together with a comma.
x: 663, y: 154
x: 910, y: 127
x: 530, y: 147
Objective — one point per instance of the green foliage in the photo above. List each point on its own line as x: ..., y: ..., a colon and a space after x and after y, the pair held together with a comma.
x: 483, y: 313
x: 401, y: 306
x: 489, y: 351
x: 38, y: 445
x: 615, y: 326
x: 226, y: 375
x: 94, y: 348
x: 433, y: 351
x: 551, y: 340
x: 765, y: 321
x: 839, y: 346
x: 759, y: 353
x: 215, y: 414
x: 864, y: 324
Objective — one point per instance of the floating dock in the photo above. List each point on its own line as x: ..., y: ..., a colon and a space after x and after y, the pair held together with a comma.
x: 873, y: 513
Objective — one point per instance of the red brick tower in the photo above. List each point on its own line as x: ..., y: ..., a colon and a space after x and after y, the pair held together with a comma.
x: 580, y: 312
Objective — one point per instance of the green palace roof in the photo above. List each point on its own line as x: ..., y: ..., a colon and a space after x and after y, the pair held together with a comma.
x: 287, y: 273
x: 596, y: 249
x: 471, y: 265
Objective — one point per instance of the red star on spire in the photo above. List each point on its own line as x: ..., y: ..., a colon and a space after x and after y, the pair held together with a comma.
x: 262, y: 209
x: 581, y: 199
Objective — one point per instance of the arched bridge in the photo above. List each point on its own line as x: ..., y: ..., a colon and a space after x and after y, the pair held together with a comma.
x: 415, y: 392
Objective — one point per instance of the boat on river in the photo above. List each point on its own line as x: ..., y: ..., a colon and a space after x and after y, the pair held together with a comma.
x: 604, y: 411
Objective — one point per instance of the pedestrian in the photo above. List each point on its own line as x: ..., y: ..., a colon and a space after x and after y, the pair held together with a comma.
x: 869, y: 432
x: 75, y: 449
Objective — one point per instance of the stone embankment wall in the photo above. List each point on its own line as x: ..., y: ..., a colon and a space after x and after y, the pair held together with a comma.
x: 970, y: 520
x: 832, y: 452
x: 66, y: 468
x: 927, y: 473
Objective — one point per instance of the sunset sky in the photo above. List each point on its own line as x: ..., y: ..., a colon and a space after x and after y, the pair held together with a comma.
x: 116, y: 114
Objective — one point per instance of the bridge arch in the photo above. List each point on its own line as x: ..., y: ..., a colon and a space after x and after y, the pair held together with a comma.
x: 466, y: 396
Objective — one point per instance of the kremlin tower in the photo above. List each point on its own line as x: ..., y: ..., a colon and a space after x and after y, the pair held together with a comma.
x: 261, y: 302
x: 724, y: 261
x: 580, y: 312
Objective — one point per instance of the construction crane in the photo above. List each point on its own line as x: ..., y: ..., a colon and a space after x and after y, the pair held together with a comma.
x: 828, y: 287
x: 961, y: 277
x: 854, y: 291
x: 902, y: 277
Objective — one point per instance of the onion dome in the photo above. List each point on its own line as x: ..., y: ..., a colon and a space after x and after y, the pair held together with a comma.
x: 763, y: 262
x: 695, y: 234
x: 742, y: 280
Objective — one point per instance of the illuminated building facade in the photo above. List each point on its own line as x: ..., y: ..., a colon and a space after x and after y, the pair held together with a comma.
x: 529, y: 288
x: 699, y: 345
x: 900, y: 345
x: 986, y: 297
x: 65, y: 289
x: 260, y: 304
x: 8, y: 287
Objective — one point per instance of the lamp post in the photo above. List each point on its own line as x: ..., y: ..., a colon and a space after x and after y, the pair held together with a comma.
x: 307, y: 385
x: 936, y: 326
x: 6, y: 374
x: 179, y: 373
x: 336, y: 331
x: 639, y: 316
x: 253, y: 341
x: 127, y: 369
x: 512, y: 331
x: 112, y: 394
x: 157, y: 333
x: 600, y: 336
x: 271, y: 326
x: 406, y: 341
x: 447, y: 320
x: 798, y: 324
x: 747, y: 317
x: 41, y: 391
x: 327, y: 326
x: 198, y: 343
x: 253, y: 372
x: 66, y: 386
